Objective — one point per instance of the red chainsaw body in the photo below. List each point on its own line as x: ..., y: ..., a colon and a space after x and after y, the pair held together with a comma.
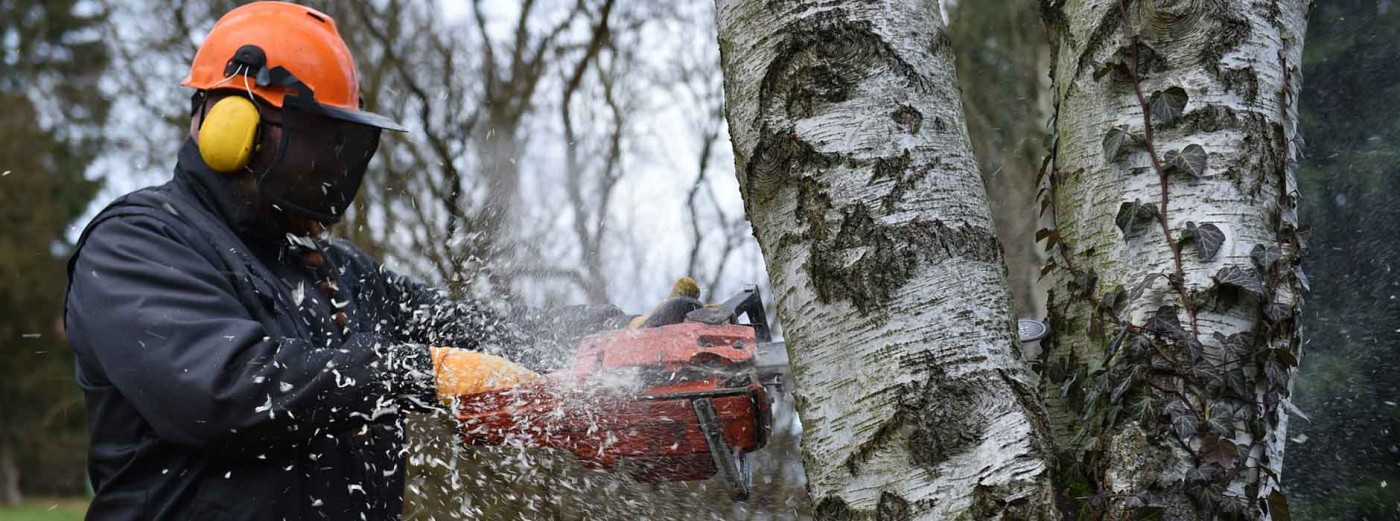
x: 629, y: 401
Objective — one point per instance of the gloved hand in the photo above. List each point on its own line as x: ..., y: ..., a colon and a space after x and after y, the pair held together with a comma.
x: 460, y: 371
x: 684, y: 298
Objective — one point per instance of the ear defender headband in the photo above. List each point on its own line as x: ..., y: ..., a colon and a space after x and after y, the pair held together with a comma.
x: 228, y: 131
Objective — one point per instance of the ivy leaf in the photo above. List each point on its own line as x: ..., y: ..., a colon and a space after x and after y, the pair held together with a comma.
x: 1050, y: 236
x: 1234, y: 276
x: 1285, y: 356
x: 1220, y: 451
x: 1277, y: 312
x: 1117, y: 67
x: 1190, y: 160
x: 1194, y: 349
x: 1123, y: 385
x: 1276, y: 374
x: 1238, y: 344
x: 1238, y: 383
x: 1139, y: 345
x: 1131, y: 214
x: 1302, y: 278
x: 1142, y: 285
x: 1165, y: 323
x: 1168, y: 105
x: 1289, y: 218
x: 1207, y: 237
x: 1183, y: 420
x: 1113, y: 142
x: 1265, y: 258
x: 1116, y: 299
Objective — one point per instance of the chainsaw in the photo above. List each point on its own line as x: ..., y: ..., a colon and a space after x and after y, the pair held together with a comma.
x: 676, y: 402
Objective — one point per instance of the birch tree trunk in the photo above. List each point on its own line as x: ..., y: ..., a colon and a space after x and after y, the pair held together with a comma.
x: 1176, y: 254
x: 855, y: 168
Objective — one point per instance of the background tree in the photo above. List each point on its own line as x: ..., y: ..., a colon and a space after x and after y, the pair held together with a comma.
x: 49, y: 113
x: 1176, y: 254
x: 857, y: 175
x: 1003, y: 64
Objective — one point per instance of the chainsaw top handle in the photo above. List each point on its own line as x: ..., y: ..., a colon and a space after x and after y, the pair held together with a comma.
x: 747, y: 302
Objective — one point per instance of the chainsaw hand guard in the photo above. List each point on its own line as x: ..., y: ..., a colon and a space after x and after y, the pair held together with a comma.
x: 747, y: 302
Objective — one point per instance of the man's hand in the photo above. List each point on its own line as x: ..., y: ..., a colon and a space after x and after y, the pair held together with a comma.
x: 461, y: 371
x: 684, y: 298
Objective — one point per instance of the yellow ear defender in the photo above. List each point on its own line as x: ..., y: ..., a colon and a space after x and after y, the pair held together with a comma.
x: 228, y: 134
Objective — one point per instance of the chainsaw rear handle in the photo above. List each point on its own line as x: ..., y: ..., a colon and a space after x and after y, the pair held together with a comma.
x: 747, y: 302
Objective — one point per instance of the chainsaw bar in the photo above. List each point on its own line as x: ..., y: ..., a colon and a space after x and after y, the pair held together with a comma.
x: 729, y: 464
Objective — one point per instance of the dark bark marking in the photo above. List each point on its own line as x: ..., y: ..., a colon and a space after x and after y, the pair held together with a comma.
x: 1209, y: 118
x: 908, y: 119
x: 904, y: 175
x: 1232, y: 31
x: 776, y: 162
x: 1107, y: 26
x: 1265, y: 146
x: 893, y: 508
x: 834, y: 508
x: 940, y: 42
x: 945, y: 426
x: 937, y: 417
x: 822, y: 57
x: 890, y: 254
x: 1243, y: 81
x: 990, y: 502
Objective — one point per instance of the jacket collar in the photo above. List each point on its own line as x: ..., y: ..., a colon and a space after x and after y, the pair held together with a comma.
x: 218, y: 192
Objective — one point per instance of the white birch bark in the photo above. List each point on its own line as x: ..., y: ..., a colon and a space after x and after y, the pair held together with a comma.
x: 854, y: 163
x: 1188, y: 431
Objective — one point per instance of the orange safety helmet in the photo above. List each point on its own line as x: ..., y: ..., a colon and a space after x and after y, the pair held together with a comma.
x: 289, y: 51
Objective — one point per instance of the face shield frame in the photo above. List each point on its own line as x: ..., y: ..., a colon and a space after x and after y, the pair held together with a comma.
x: 320, y: 174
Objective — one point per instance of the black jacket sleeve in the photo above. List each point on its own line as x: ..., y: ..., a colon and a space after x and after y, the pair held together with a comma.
x: 168, y: 331
x: 540, y: 339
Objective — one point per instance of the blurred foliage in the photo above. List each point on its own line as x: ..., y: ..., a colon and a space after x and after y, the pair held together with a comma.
x: 50, y: 110
x: 1345, y: 462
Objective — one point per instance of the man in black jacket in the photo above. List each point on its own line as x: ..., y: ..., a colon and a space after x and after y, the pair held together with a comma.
x: 236, y: 362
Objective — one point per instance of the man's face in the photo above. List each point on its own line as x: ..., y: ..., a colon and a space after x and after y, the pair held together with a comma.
x: 308, y: 164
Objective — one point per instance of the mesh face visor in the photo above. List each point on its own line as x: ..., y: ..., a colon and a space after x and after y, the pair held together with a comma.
x: 320, y: 163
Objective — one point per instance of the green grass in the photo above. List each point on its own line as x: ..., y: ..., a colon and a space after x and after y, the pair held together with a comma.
x: 46, y: 509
